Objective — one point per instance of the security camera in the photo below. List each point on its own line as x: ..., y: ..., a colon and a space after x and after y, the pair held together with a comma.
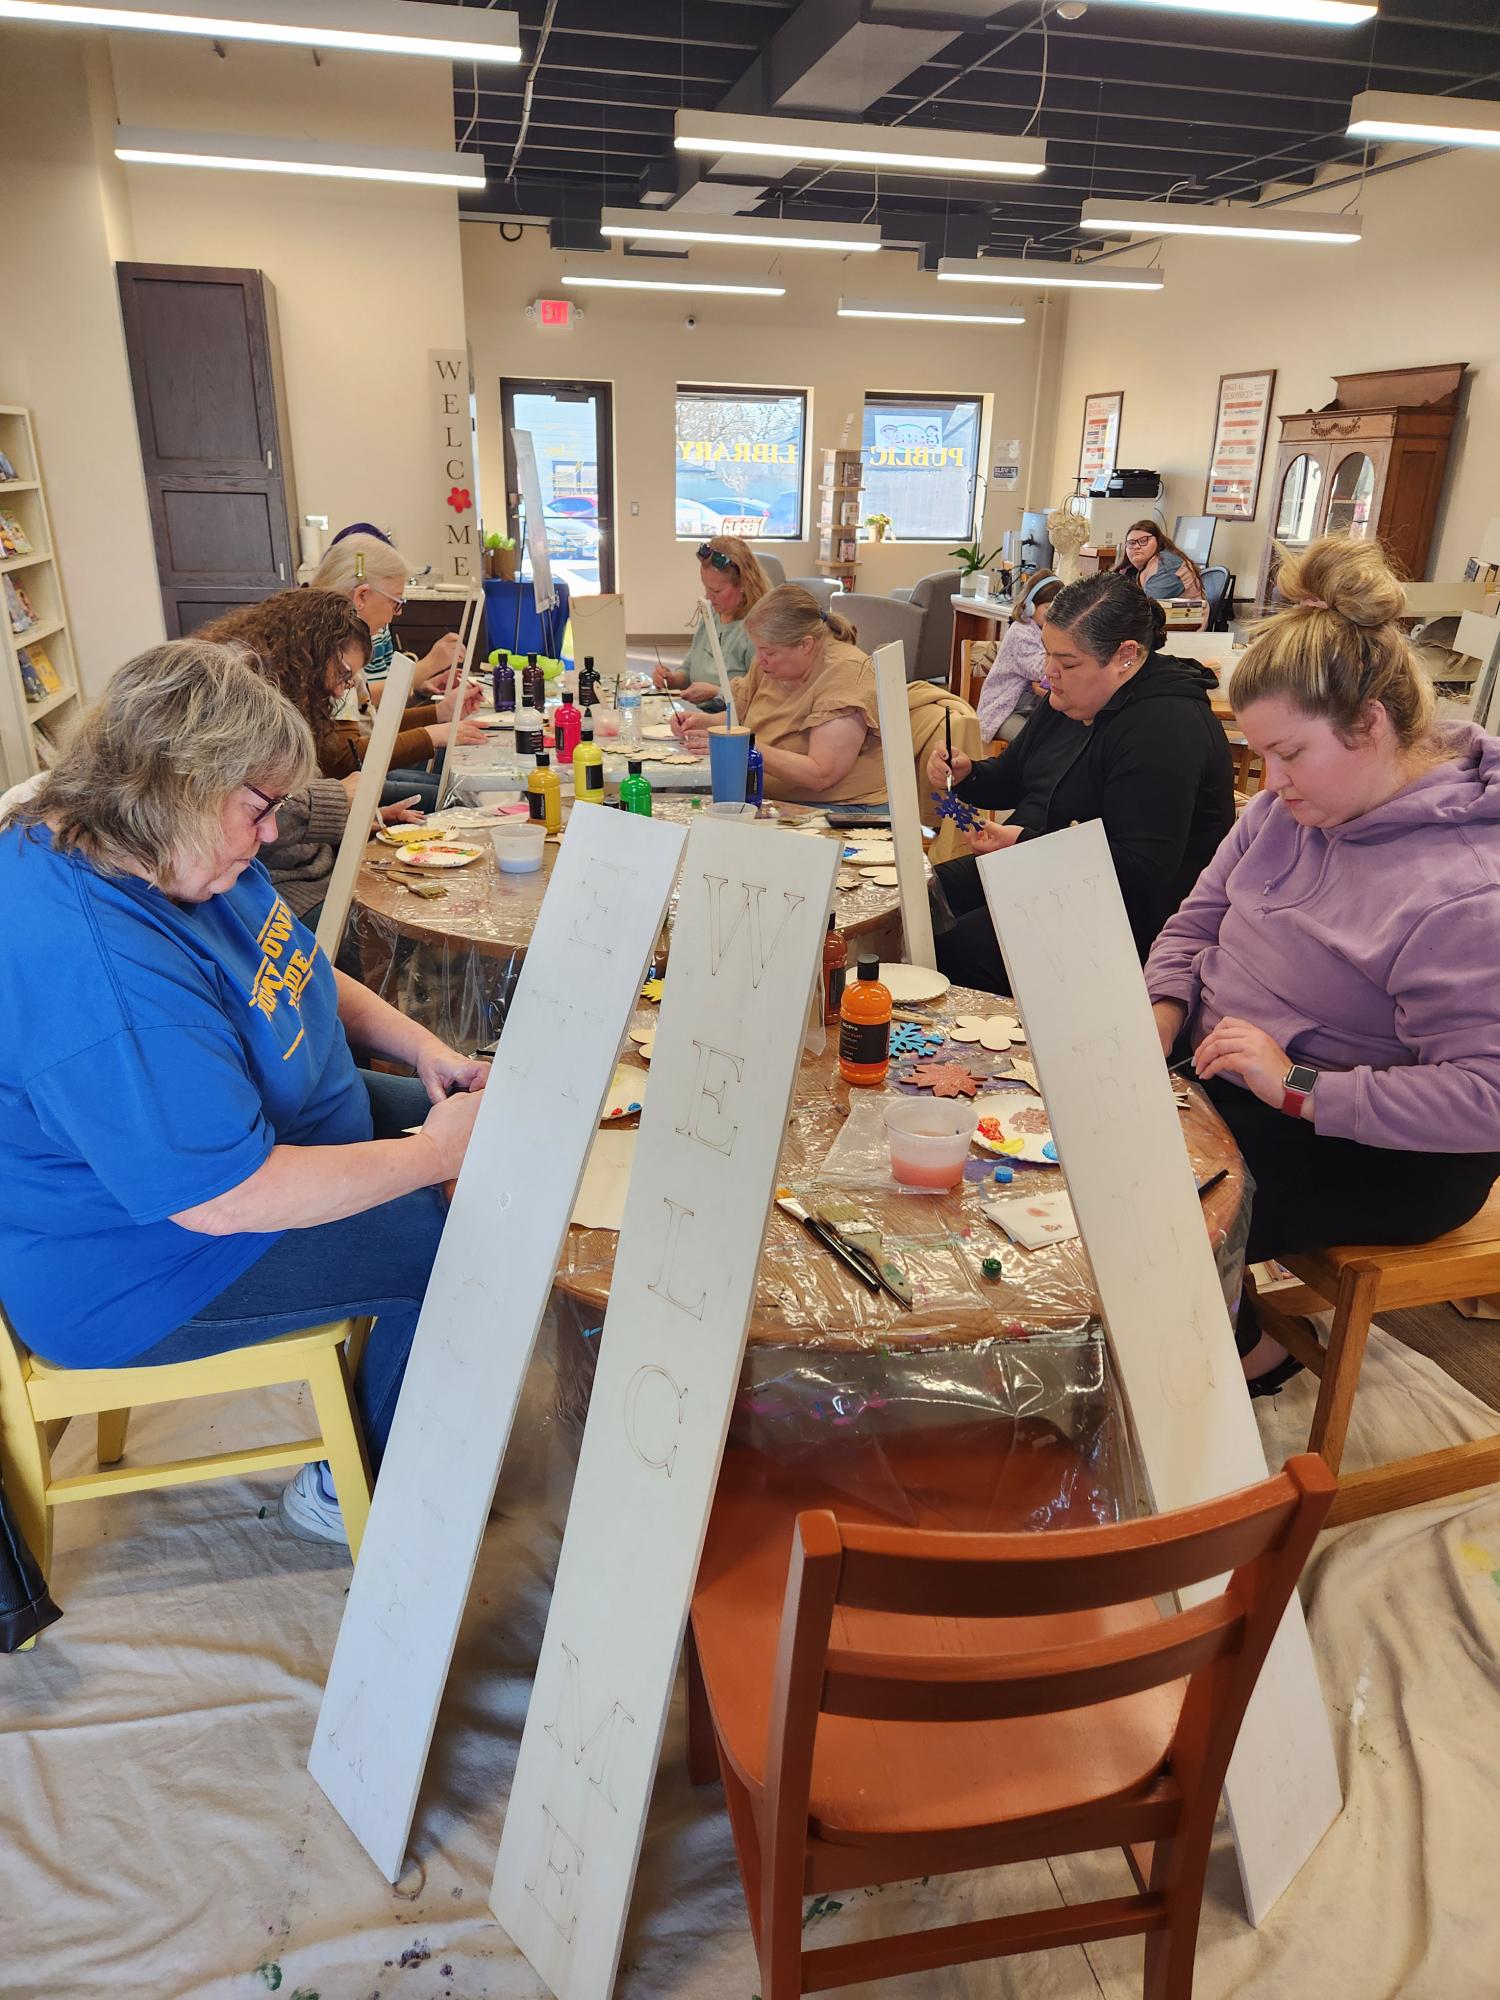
x: 691, y: 321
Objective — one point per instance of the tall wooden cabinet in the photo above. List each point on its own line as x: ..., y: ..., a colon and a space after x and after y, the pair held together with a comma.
x: 1369, y: 464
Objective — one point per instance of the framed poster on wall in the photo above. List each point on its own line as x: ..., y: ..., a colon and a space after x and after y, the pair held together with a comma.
x: 1100, y: 444
x: 1241, y: 421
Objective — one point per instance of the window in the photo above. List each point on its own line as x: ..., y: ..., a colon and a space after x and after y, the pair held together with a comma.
x: 740, y: 455
x: 921, y: 456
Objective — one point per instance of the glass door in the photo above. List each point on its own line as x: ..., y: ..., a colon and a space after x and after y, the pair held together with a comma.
x: 1297, y: 508
x: 571, y: 426
x: 1349, y: 497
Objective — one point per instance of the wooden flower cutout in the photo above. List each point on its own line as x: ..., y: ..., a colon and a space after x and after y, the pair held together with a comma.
x: 943, y: 1079
x: 992, y: 1031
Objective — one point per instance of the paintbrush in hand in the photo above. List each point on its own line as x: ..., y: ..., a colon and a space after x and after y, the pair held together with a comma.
x: 948, y: 742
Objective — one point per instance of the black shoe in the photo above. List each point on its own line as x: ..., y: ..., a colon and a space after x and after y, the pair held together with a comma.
x: 1274, y: 1379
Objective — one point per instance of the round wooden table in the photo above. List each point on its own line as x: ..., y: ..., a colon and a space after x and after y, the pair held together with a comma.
x: 452, y: 962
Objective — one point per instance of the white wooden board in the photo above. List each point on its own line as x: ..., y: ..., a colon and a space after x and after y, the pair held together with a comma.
x: 710, y: 626
x: 599, y: 633
x: 1061, y: 923
x: 366, y: 802
x: 746, y: 948
x: 1478, y: 638
x: 527, y: 477
x: 489, y: 1286
x: 906, y: 811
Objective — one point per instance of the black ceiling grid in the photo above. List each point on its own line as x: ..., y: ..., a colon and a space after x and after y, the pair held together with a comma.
x: 1136, y: 104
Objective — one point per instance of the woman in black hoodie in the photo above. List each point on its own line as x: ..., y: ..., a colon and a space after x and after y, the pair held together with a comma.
x: 1127, y: 737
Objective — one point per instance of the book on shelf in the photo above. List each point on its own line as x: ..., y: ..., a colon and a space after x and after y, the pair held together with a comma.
x: 14, y: 540
x: 38, y: 675
x: 18, y: 605
x: 7, y: 470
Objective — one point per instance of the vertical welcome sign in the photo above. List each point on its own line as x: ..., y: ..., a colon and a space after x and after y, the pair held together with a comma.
x: 456, y: 507
x: 745, y: 949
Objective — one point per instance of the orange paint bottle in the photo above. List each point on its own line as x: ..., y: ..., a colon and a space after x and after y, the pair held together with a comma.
x: 865, y: 1027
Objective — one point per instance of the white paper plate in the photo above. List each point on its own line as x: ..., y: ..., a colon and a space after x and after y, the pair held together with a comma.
x: 1020, y: 1116
x: 449, y: 855
x: 870, y: 854
x: 627, y: 1093
x: 911, y: 983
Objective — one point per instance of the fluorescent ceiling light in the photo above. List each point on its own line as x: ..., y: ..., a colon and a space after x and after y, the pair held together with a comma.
x: 1046, y: 276
x: 1450, y: 121
x: 901, y: 148
x: 851, y: 309
x: 674, y: 285
x: 1313, y: 13
x: 142, y: 145
x: 772, y: 231
x: 382, y: 27
x: 1159, y: 218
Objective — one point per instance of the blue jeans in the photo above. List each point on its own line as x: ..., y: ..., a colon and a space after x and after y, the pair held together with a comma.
x: 373, y: 1263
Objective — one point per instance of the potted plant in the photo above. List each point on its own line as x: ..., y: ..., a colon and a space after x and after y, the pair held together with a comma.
x: 500, y: 557
x: 878, y: 525
x: 972, y: 563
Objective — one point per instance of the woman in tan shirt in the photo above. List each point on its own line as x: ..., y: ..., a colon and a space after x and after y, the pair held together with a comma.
x: 810, y: 698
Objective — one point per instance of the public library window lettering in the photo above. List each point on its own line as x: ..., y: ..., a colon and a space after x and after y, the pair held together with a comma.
x: 921, y: 460
x: 740, y: 458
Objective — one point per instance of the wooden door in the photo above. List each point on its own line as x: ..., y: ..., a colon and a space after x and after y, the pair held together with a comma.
x: 203, y: 371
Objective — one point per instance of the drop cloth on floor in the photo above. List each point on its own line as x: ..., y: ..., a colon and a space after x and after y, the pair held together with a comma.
x: 160, y: 1836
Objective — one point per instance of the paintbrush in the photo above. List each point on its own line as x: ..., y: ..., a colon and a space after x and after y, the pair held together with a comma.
x: 948, y: 742
x: 788, y: 1202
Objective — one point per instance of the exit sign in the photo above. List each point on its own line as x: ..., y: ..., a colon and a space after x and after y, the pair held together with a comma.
x: 554, y: 312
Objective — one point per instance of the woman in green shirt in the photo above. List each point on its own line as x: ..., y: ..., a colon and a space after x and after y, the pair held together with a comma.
x: 732, y: 581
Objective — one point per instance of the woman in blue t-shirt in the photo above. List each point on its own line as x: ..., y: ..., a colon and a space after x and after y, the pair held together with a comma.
x: 194, y: 1163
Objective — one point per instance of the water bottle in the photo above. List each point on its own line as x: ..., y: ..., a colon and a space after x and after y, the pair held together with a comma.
x: 629, y: 707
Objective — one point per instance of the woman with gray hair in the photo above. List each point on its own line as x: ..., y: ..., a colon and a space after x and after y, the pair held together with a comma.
x: 194, y: 1163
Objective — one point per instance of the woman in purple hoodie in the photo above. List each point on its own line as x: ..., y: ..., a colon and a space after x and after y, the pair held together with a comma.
x: 1334, y: 969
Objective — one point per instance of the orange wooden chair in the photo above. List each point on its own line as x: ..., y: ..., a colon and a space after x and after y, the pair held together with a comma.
x: 917, y: 1702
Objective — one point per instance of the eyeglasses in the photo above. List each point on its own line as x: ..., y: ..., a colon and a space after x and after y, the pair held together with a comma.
x: 271, y: 806
x: 1139, y: 541
x: 708, y: 554
x: 397, y: 604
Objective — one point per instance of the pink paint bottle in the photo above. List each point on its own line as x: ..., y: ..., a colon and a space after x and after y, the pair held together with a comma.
x: 567, y: 727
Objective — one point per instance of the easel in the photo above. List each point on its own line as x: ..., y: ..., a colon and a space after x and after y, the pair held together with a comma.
x: 473, y: 599
x: 901, y: 790
x: 366, y: 803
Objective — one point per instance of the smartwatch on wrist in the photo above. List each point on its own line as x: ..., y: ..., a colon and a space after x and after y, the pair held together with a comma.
x: 1297, y: 1087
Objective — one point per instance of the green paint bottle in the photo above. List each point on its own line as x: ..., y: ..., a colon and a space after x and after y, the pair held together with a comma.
x: 635, y: 793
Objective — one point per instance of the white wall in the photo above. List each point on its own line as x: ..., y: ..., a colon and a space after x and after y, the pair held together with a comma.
x: 62, y: 351
x: 638, y: 344
x: 1422, y: 286
x: 366, y: 275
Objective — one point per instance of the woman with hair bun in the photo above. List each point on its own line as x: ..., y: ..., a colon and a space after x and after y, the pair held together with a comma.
x: 1126, y: 737
x: 1333, y: 972
x: 810, y: 698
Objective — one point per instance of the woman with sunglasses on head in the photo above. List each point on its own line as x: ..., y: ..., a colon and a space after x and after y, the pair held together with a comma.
x: 734, y: 583
x: 193, y: 1162
x: 313, y: 646
x: 1153, y: 560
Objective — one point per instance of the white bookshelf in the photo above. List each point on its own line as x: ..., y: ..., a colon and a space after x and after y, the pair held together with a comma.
x: 838, y: 515
x: 28, y: 727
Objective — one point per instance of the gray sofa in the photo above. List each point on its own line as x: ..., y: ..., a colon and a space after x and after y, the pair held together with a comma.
x: 933, y: 595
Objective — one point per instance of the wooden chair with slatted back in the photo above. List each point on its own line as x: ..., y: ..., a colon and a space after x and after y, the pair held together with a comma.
x: 938, y: 1702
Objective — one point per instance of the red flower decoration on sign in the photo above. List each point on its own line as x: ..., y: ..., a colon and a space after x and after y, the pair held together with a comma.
x: 460, y: 499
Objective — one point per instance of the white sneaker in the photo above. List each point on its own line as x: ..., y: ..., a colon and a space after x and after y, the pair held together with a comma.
x: 310, y: 1508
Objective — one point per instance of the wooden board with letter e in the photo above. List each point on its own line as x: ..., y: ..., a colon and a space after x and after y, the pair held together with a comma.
x: 489, y: 1286
x: 1060, y: 919
x: 746, y: 948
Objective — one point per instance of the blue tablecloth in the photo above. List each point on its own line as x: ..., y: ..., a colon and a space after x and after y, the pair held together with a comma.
x: 512, y: 621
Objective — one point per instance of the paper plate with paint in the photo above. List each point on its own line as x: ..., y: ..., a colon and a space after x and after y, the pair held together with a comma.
x: 871, y: 853
x: 627, y: 1093
x: 1017, y: 1128
x: 442, y: 854
x: 408, y: 836
x: 909, y: 984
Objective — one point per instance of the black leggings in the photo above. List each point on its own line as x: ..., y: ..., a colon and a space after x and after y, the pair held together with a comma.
x: 968, y: 950
x: 1311, y: 1191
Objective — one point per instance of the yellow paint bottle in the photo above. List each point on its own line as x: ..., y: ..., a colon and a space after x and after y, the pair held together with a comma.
x: 544, y: 795
x: 588, y: 770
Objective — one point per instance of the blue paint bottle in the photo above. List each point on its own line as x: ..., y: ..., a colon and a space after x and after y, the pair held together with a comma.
x: 755, y: 776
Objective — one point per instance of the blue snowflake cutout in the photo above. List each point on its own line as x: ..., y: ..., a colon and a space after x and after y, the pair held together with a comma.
x: 950, y: 806
x: 910, y: 1039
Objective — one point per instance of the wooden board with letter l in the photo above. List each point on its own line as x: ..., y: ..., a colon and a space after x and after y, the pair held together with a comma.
x: 746, y: 950
x: 1060, y: 919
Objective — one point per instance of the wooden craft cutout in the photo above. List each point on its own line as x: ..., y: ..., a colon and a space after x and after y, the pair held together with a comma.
x: 489, y: 1287
x: 943, y: 1079
x: 746, y: 954
x: 901, y: 790
x: 599, y: 633
x: 992, y: 1031
x: 366, y: 803
x: 1057, y: 911
x: 645, y: 1041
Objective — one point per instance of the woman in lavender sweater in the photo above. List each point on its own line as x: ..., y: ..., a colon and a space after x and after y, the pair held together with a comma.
x: 1334, y: 970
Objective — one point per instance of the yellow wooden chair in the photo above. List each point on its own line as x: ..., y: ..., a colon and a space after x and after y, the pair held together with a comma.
x: 37, y: 1401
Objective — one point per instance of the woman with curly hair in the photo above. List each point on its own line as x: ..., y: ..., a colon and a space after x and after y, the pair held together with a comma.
x: 313, y: 645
